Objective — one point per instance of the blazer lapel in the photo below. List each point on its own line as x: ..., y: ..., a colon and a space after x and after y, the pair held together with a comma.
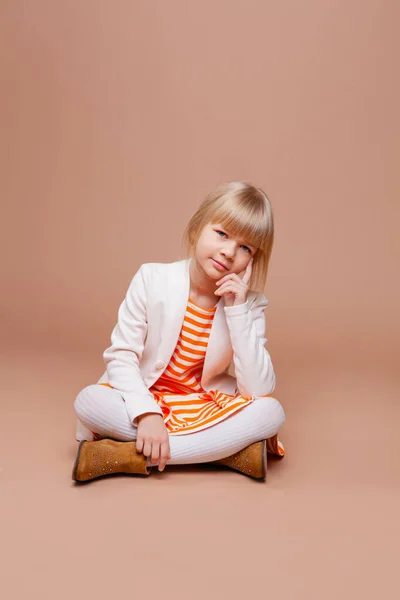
x: 176, y: 295
x: 219, y: 349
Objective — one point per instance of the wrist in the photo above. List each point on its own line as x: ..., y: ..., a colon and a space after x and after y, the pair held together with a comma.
x: 148, y: 414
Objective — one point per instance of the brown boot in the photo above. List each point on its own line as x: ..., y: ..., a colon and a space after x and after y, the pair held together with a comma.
x: 251, y: 461
x: 106, y: 457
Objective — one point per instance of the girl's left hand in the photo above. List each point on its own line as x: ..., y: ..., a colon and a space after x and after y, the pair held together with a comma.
x: 233, y: 288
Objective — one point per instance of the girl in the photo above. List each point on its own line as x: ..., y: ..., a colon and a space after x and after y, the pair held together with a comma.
x: 166, y: 396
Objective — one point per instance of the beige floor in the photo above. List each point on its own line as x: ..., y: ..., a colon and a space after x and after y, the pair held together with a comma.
x: 324, y: 525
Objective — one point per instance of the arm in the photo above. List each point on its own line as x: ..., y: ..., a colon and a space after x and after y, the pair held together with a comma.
x: 123, y: 356
x: 253, y: 366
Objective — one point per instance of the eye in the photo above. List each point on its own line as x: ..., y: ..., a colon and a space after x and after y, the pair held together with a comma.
x: 247, y: 248
x: 221, y: 232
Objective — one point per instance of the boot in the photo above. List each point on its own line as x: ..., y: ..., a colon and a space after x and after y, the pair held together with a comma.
x: 251, y: 461
x: 106, y: 457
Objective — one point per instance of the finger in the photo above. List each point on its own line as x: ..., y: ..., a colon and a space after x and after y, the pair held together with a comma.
x: 147, y: 448
x: 139, y: 444
x: 222, y: 280
x: 230, y: 277
x: 247, y: 273
x: 155, y: 453
x: 164, y: 456
x: 227, y: 287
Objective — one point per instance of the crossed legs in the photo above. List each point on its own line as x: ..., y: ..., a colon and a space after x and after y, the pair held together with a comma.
x: 102, y: 410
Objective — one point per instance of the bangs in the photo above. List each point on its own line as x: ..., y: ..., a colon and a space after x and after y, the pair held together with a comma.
x: 244, y: 221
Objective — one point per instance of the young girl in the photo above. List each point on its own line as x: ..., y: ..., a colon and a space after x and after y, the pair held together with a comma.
x: 166, y: 397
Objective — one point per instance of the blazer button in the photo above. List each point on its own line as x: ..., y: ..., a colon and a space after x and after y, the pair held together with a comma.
x: 160, y: 365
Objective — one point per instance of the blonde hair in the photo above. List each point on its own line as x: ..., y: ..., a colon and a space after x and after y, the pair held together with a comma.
x: 245, y: 211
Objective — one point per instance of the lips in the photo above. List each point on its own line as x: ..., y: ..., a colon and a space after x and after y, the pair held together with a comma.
x: 218, y: 263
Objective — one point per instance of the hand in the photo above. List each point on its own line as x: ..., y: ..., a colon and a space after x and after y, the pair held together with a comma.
x: 152, y: 438
x: 234, y: 288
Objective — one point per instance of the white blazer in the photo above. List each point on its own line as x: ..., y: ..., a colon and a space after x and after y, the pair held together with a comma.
x: 149, y: 323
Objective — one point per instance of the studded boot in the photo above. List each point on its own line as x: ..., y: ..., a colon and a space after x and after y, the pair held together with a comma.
x: 107, y: 457
x: 251, y: 461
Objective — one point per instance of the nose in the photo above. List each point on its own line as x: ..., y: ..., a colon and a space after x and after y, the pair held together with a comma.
x: 229, y: 250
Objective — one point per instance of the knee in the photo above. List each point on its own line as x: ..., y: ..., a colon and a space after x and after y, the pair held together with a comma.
x: 271, y: 409
x: 83, y: 399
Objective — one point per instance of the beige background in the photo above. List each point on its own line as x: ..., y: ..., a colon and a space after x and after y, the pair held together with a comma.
x: 117, y: 117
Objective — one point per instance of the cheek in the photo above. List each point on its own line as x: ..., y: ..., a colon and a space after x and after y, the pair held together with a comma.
x: 243, y: 265
x: 208, y: 243
x: 203, y: 248
x: 242, y: 262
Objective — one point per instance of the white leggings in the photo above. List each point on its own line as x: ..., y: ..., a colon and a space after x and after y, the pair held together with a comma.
x: 102, y: 410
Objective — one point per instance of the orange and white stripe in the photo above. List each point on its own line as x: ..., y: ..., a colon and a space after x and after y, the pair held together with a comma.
x: 186, y: 406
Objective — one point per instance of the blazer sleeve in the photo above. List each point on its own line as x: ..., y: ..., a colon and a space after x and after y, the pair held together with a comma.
x: 122, y: 358
x: 253, y: 366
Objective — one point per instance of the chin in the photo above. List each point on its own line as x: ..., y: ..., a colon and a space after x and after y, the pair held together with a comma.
x: 213, y: 273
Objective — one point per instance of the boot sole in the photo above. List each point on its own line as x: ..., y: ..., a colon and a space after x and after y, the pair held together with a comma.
x: 74, y: 470
x: 264, y: 461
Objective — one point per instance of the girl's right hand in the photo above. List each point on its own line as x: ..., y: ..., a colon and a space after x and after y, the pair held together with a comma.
x: 152, y: 438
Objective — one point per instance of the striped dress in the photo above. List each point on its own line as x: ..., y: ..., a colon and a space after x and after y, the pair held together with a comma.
x: 186, y: 406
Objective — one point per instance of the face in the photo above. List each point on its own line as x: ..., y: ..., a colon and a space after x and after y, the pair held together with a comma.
x: 219, y: 253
